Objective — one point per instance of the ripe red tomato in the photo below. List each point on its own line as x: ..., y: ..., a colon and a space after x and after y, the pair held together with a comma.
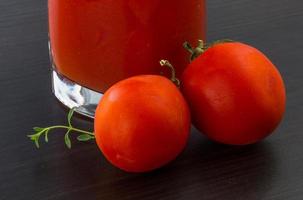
x: 235, y: 93
x: 142, y: 123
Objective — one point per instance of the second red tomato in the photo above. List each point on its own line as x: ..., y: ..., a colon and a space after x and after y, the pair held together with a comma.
x: 236, y: 95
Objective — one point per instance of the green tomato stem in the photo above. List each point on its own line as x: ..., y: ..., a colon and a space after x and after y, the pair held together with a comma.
x: 201, y: 47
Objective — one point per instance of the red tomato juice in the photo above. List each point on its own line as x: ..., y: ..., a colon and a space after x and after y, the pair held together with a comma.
x: 96, y: 43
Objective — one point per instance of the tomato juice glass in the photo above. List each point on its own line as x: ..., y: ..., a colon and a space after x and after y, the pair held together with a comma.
x: 96, y: 43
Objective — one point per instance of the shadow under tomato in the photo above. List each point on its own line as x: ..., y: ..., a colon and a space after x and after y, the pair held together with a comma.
x: 205, y: 170
x: 216, y: 171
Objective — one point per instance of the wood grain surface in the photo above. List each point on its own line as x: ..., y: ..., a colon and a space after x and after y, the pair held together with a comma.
x: 272, y: 169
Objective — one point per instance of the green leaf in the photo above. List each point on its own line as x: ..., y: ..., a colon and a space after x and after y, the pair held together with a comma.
x: 32, y: 136
x: 67, y: 140
x: 37, y: 143
x: 46, y: 136
x: 38, y: 129
x: 85, y: 137
x: 70, y: 115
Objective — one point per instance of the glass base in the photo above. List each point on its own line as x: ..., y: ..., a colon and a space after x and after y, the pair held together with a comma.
x: 72, y: 95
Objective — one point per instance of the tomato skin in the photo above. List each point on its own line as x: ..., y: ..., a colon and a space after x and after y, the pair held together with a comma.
x: 236, y: 95
x: 142, y: 123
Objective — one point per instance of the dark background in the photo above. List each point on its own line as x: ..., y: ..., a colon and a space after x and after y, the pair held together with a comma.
x: 272, y: 169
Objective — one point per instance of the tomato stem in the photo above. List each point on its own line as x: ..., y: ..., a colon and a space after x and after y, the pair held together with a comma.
x: 174, y: 79
x: 194, y: 52
x: 201, y: 47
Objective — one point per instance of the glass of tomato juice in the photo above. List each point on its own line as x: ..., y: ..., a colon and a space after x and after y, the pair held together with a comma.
x: 96, y: 43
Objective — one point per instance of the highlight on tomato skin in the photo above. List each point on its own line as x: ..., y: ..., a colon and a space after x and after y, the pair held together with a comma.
x: 236, y: 94
x: 142, y: 123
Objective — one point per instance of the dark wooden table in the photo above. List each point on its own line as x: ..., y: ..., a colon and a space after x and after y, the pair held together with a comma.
x: 272, y: 169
